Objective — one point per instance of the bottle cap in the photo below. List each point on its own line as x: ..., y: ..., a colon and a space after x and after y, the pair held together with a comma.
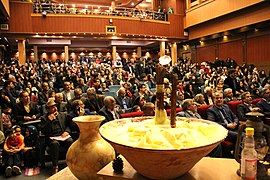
x: 250, y: 131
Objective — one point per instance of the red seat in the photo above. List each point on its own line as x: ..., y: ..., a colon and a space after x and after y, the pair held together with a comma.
x: 132, y: 114
x: 255, y: 101
x: 202, y: 110
x: 233, y: 105
x: 169, y: 111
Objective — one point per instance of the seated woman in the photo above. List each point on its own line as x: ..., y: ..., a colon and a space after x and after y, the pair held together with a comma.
x: 25, y: 110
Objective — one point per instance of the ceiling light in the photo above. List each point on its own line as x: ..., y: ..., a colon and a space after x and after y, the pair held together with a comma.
x: 132, y: 4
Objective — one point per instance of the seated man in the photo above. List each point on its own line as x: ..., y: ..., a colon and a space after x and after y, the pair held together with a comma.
x: 123, y: 101
x: 54, y: 124
x: 222, y: 114
x: 228, y: 95
x: 245, y: 107
x: 148, y: 109
x: 264, y: 104
x: 109, y: 110
x: 189, y: 109
x: 77, y: 110
x: 94, y: 102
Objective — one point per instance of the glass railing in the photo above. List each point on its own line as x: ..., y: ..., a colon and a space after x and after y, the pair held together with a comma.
x: 52, y: 8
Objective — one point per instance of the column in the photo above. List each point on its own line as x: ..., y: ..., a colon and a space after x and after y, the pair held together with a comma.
x: 66, y: 54
x: 174, y: 53
x: 35, y: 54
x: 139, y: 51
x: 114, y: 53
x: 162, y: 49
x: 22, y: 54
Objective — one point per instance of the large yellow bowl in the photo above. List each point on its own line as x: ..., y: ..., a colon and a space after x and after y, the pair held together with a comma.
x: 161, y: 164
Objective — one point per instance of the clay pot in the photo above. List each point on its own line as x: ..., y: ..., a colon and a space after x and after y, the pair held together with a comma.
x: 90, y: 153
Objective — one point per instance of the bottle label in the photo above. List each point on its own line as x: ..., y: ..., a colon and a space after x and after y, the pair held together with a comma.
x: 250, y: 169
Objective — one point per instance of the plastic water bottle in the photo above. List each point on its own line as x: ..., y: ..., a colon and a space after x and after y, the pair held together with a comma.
x: 249, y: 157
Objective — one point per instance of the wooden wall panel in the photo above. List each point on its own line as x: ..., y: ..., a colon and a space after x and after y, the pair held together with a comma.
x: 228, y: 22
x: 258, y: 52
x: 233, y: 49
x: 89, y: 24
x: 176, y: 25
x: 20, y: 17
x: 215, y: 8
x: 22, y: 21
x: 206, y: 53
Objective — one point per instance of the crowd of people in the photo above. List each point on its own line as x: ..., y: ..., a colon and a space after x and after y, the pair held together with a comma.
x: 41, y: 99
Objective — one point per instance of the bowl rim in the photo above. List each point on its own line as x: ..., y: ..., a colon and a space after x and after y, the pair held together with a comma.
x: 158, y: 150
x: 83, y: 118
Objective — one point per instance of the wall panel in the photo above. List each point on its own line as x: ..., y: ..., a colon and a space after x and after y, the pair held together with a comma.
x: 233, y: 49
x: 23, y: 21
x: 258, y: 52
x: 20, y: 17
x: 206, y: 53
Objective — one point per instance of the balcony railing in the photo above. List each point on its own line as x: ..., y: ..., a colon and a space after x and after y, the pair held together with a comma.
x: 52, y: 8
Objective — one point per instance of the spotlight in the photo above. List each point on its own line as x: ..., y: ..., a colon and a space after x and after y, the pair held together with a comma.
x: 110, y: 22
x: 44, y: 13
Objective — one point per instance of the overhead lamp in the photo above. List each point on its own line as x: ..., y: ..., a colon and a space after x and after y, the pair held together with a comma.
x: 44, y: 14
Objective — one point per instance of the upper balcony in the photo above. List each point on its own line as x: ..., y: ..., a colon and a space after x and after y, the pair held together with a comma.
x: 27, y: 20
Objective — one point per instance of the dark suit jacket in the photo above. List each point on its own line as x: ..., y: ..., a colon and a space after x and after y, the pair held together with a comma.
x: 20, y: 112
x: 120, y: 102
x: 42, y: 98
x: 47, y: 125
x: 62, y: 106
x: 213, y: 114
x: 228, y: 82
x: 188, y: 115
x: 12, y: 99
x: 108, y: 115
x: 126, y: 68
x: 96, y: 104
x: 264, y: 106
x: 242, y: 109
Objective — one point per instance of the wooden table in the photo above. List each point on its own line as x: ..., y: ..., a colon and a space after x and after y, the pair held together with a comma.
x: 206, y: 169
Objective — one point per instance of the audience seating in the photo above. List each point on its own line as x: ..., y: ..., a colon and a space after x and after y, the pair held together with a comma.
x: 114, y: 88
x: 233, y: 105
x: 153, y: 90
x: 113, y: 94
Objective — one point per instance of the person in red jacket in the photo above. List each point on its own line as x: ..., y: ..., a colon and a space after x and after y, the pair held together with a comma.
x: 12, y: 147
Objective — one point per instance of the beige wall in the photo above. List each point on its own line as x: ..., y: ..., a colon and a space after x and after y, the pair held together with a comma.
x: 215, y: 8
